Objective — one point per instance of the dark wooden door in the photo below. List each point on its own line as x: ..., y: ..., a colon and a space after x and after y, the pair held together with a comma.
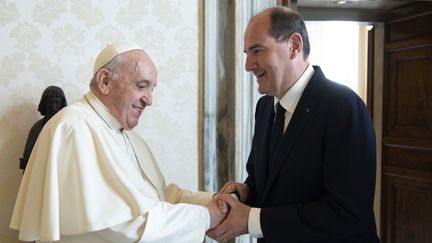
x: 406, y: 204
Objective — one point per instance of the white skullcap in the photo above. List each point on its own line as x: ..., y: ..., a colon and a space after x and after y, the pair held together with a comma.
x: 111, y: 51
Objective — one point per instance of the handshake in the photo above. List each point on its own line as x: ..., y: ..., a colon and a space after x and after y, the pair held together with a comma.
x: 228, y: 213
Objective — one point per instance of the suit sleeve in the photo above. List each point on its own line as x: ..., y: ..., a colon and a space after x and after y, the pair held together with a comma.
x: 348, y: 175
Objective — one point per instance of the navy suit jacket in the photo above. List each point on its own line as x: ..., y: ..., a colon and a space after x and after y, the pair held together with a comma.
x: 320, y: 187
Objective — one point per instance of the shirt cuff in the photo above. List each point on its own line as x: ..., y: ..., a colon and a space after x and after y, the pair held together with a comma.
x: 254, y: 223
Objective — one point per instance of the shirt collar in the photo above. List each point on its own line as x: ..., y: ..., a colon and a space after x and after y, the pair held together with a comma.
x: 292, y: 96
x: 102, y: 111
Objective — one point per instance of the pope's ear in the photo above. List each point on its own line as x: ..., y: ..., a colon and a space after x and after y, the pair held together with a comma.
x: 103, y: 81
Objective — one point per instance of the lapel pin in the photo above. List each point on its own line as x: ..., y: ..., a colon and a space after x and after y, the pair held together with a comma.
x: 307, y: 110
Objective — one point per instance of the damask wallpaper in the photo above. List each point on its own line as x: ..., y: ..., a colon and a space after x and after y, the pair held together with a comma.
x: 51, y: 42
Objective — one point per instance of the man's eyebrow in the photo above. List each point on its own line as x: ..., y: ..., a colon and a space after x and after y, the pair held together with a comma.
x: 253, y: 47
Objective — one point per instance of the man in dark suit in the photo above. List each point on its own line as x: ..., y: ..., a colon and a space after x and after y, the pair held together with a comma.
x: 311, y: 170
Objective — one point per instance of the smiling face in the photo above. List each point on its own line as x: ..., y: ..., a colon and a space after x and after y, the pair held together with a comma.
x: 131, y: 90
x: 269, y: 60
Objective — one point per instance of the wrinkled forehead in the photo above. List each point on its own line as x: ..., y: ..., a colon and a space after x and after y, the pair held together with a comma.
x: 139, y: 62
x: 143, y: 69
x: 146, y: 68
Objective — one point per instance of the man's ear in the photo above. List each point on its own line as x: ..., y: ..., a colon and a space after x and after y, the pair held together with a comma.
x: 296, y: 45
x: 103, y: 81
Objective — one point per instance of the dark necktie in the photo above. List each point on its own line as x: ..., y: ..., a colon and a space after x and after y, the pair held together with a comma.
x: 277, y: 132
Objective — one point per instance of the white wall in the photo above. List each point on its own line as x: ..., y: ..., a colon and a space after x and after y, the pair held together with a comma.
x: 50, y: 42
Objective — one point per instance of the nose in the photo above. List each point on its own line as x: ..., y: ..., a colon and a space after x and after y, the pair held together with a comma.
x: 250, y: 63
x: 147, y: 98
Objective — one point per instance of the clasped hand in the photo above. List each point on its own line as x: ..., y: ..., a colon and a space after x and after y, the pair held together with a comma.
x: 229, y: 217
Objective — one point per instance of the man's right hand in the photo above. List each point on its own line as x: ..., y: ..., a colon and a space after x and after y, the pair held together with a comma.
x: 241, y: 188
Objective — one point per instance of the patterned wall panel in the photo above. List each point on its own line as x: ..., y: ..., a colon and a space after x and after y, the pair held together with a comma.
x: 50, y: 42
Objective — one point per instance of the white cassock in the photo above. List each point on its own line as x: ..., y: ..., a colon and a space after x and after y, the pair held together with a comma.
x: 88, y: 180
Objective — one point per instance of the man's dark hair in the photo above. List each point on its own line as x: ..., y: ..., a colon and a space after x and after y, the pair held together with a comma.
x: 284, y: 22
